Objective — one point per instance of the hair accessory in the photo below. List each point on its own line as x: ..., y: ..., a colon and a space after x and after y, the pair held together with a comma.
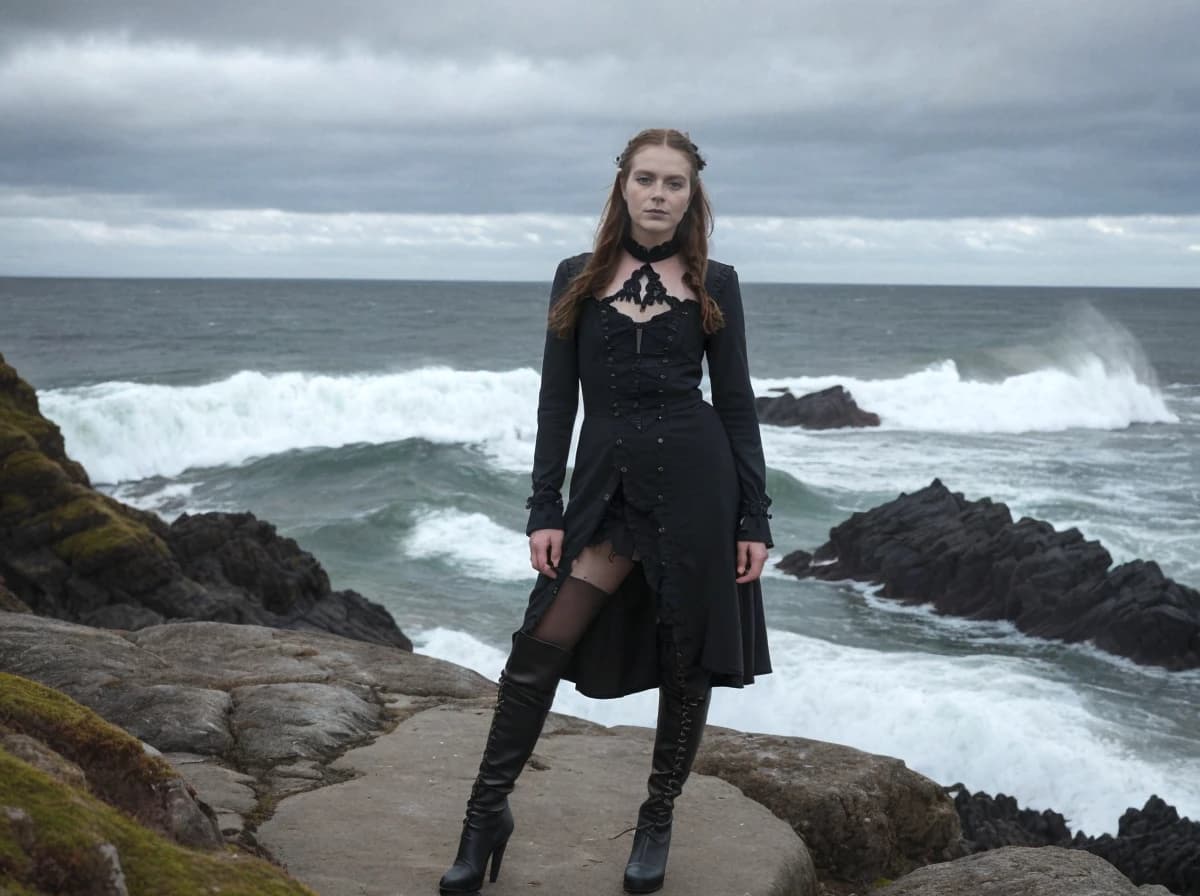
x: 657, y: 253
x: 620, y: 159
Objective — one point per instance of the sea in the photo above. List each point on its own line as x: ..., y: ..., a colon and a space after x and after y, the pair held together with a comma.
x: 389, y: 427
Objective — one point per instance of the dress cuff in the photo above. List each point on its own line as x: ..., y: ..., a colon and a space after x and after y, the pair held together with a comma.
x: 544, y: 513
x: 752, y: 522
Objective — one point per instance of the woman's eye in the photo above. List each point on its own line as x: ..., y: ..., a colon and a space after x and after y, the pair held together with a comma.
x: 643, y: 179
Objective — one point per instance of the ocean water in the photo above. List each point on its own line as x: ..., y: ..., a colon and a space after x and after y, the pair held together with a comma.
x: 389, y: 428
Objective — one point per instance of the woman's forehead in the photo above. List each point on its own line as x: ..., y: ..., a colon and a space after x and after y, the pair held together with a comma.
x: 661, y: 159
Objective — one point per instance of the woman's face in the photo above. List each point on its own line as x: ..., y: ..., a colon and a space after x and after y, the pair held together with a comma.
x: 657, y: 193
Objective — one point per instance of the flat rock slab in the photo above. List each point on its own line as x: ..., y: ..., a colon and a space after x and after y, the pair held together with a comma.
x: 399, y: 819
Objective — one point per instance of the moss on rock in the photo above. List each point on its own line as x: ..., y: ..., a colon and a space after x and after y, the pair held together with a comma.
x: 21, y: 416
x: 54, y: 528
x: 51, y: 837
x: 116, y: 764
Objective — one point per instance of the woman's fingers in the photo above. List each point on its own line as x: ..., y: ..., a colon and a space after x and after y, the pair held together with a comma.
x: 751, y: 558
x: 545, y: 551
x: 743, y: 557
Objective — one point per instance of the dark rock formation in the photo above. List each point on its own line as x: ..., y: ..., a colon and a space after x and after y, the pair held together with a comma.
x: 10, y: 602
x: 968, y: 558
x: 831, y: 408
x: 990, y: 822
x: 267, y: 579
x: 1153, y: 844
x: 71, y: 552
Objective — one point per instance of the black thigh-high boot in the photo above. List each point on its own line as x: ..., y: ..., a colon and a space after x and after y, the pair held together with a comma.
x: 683, y: 700
x: 523, y: 699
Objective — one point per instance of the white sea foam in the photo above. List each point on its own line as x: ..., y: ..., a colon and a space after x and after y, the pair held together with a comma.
x: 471, y: 543
x: 991, y: 722
x: 1095, y: 375
x: 1086, y: 395
x: 168, y: 496
x: 124, y: 431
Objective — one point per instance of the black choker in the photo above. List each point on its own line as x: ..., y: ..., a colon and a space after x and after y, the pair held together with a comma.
x: 641, y: 253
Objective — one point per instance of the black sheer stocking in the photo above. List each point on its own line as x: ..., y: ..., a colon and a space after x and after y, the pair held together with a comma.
x: 575, y: 606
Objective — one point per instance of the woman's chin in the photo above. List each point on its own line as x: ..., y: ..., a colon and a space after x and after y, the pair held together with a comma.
x: 654, y: 231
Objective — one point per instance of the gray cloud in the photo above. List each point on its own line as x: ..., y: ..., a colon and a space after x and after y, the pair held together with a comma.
x: 817, y: 109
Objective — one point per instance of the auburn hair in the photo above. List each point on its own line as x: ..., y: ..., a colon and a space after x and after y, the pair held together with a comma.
x: 692, y: 233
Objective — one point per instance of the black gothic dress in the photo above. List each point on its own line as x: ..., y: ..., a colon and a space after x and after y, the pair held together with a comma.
x: 656, y: 465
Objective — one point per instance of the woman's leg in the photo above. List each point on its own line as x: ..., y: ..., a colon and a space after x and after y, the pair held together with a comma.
x: 526, y: 691
x: 595, y: 574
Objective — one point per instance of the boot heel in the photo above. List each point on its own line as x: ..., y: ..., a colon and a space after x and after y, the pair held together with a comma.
x: 497, y: 858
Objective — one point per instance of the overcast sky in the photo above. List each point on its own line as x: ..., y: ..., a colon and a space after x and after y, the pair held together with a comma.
x: 852, y: 140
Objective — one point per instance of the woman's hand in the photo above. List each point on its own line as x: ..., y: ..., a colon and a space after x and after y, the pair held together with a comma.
x: 545, y: 551
x: 751, y: 558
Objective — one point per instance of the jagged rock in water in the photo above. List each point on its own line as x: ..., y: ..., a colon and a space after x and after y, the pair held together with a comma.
x: 969, y: 558
x: 831, y: 408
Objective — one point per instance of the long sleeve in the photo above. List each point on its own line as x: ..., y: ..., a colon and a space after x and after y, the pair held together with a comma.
x: 733, y: 398
x: 558, y: 401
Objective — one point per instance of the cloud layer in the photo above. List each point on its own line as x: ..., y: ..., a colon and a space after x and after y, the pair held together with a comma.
x: 934, y: 110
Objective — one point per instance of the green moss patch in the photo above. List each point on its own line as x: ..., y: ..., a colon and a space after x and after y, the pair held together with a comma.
x: 20, y: 417
x: 56, y: 849
x: 85, y: 529
x: 117, y: 766
x: 111, y: 539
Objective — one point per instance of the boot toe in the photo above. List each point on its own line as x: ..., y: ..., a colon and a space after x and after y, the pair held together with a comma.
x: 460, y: 880
x: 641, y: 878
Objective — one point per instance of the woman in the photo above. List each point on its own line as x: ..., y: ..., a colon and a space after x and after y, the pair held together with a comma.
x: 650, y: 578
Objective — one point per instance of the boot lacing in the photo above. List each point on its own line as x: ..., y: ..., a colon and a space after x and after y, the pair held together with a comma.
x: 686, y: 723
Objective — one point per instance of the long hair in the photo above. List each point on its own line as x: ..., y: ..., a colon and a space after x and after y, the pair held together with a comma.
x: 693, y: 232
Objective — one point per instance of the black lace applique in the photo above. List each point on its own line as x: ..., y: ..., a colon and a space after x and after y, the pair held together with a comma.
x: 654, y: 292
